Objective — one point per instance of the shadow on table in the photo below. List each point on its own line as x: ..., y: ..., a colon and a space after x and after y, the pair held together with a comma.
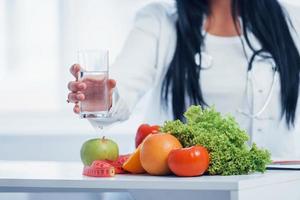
x: 66, y: 196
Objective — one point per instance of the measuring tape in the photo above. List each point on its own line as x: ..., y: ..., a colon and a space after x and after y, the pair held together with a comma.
x: 119, y: 163
x: 106, y: 168
x: 99, y: 169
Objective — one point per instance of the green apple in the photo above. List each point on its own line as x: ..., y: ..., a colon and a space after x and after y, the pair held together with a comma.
x: 99, y: 149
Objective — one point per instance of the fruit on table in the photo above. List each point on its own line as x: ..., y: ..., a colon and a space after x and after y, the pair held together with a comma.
x: 155, y: 151
x: 99, y: 149
x: 143, y: 131
x: 193, y: 161
x: 133, y: 163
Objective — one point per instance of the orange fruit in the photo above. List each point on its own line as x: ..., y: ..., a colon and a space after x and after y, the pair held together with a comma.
x: 155, y: 151
x: 133, y: 163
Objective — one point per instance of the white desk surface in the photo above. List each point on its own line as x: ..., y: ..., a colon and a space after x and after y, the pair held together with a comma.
x: 43, y: 176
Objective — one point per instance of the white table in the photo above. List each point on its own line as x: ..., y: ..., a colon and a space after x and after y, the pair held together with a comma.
x: 66, y: 177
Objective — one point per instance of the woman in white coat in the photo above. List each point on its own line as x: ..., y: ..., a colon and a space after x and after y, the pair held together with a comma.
x: 240, y: 56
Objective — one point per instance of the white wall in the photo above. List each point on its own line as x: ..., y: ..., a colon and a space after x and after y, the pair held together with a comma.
x: 39, y: 43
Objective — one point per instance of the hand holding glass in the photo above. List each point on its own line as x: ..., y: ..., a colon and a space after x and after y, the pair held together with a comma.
x: 94, y: 73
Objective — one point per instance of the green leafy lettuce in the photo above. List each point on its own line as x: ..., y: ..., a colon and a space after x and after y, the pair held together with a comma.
x: 225, y: 140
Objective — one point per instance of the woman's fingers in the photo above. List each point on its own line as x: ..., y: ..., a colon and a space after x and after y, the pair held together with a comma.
x: 76, y: 86
x: 74, y: 70
x: 76, y: 109
x: 111, y: 83
x: 75, y: 97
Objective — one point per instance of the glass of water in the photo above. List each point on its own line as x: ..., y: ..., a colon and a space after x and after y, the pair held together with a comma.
x: 94, y: 73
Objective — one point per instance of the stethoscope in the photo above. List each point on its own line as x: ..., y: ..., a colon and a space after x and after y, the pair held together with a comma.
x: 207, y: 62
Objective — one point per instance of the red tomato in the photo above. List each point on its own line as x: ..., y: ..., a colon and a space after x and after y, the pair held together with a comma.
x: 193, y: 161
x: 143, y: 131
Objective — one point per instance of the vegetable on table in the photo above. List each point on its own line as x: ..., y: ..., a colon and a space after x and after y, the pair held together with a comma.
x: 143, y: 131
x: 224, y: 139
x: 192, y: 161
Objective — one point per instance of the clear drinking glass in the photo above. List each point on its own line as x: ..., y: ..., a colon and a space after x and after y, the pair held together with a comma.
x: 94, y: 73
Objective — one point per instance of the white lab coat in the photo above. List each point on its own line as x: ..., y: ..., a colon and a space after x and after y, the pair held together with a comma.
x: 146, y: 55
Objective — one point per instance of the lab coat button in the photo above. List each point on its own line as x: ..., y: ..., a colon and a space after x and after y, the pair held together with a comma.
x: 260, y: 90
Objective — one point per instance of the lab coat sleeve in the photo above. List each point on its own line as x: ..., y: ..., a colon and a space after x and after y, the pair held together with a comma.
x: 293, y: 12
x: 135, y: 68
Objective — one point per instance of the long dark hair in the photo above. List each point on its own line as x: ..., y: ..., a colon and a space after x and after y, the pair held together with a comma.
x: 265, y: 19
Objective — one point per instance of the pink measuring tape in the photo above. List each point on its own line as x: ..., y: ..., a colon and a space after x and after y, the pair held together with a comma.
x: 99, y: 169
x: 106, y: 168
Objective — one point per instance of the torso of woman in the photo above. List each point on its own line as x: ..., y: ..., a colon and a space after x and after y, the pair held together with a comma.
x: 226, y: 83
